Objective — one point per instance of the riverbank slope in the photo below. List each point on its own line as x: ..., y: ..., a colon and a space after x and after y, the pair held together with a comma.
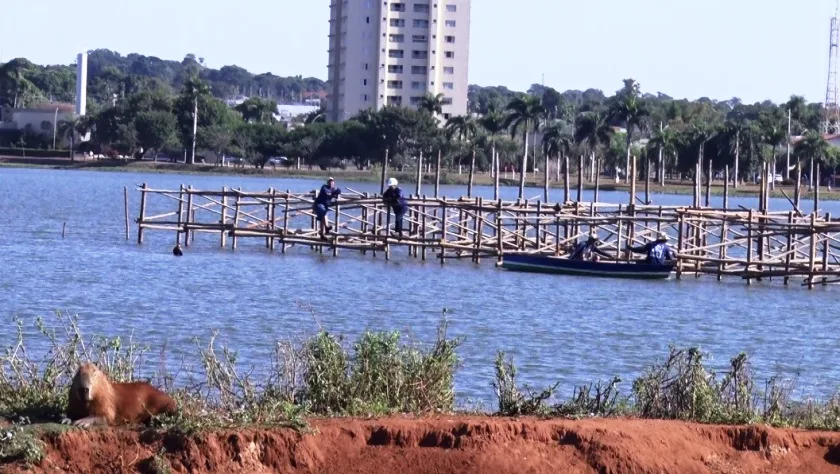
x: 451, y: 444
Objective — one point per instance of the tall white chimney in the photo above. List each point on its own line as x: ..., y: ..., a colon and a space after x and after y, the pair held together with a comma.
x: 81, y: 84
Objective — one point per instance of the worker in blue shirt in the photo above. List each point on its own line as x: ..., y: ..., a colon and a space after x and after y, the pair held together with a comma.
x: 327, y: 197
x: 658, y: 252
x: 394, y: 199
x: 588, y: 250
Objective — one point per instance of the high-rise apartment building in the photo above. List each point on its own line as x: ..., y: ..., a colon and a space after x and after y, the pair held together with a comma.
x: 395, y: 52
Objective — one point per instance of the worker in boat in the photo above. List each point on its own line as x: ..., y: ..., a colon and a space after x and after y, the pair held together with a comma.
x: 658, y: 252
x: 327, y: 196
x: 588, y: 250
x: 394, y: 199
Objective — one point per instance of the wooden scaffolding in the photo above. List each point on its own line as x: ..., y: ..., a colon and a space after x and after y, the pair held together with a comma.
x: 750, y: 244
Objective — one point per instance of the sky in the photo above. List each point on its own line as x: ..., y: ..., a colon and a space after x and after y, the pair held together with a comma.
x: 751, y: 49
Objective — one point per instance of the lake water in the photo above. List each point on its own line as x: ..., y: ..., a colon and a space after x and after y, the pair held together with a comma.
x: 575, y: 330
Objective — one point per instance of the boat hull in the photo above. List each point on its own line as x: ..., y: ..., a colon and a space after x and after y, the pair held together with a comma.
x: 564, y: 266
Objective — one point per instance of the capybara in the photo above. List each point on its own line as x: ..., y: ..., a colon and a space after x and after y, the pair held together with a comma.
x: 95, y: 400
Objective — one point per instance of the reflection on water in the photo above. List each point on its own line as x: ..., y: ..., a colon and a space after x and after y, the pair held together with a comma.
x: 557, y: 327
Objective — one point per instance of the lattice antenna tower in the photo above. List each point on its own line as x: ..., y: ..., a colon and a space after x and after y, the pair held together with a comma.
x: 831, y: 110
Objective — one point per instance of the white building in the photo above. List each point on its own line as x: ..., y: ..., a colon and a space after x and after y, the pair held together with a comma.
x: 394, y: 53
x: 44, y: 119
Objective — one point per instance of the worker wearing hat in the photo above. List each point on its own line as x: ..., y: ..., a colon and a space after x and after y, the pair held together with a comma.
x: 394, y: 199
x: 658, y: 252
x: 327, y: 196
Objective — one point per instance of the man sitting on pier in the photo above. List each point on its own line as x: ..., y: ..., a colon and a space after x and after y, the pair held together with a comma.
x: 658, y: 252
x: 588, y: 250
x: 393, y: 197
x: 326, y: 197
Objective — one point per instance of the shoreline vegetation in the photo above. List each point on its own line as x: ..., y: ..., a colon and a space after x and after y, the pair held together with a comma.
x: 533, y: 181
x: 381, y: 373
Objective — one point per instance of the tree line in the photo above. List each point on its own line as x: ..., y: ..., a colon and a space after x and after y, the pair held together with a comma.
x: 505, y: 130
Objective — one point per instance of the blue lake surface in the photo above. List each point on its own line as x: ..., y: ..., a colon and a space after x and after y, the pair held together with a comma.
x: 571, y: 329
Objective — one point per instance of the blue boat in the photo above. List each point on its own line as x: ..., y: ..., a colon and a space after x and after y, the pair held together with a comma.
x: 562, y: 265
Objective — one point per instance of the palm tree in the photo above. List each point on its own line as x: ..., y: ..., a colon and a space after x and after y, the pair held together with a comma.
x: 592, y: 131
x: 556, y: 142
x: 433, y: 104
x: 665, y: 141
x: 316, y: 116
x: 494, y: 123
x: 773, y: 134
x: 195, y: 89
x: 629, y: 108
x: 465, y: 128
x: 797, y: 105
x: 523, y: 112
x: 815, y: 148
x: 76, y: 125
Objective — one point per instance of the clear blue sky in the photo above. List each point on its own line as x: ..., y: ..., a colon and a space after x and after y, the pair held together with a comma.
x: 752, y: 49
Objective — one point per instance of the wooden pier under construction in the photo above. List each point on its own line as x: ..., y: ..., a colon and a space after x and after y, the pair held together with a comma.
x: 751, y: 244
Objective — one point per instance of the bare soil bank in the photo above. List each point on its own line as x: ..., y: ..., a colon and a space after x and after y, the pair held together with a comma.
x: 452, y: 444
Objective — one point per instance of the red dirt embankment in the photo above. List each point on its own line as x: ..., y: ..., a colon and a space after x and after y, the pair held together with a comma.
x: 456, y: 444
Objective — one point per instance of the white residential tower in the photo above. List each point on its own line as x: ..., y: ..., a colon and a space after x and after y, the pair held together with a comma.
x: 394, y: 53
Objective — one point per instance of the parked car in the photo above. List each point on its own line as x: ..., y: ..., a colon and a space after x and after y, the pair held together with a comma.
x: 277, y: 160
x: 776, y: 179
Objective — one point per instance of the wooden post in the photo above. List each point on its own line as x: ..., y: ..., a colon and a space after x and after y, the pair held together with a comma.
x: 271, y: 219
x: 478, y: 229
x: 180, y: 215
x: 580, y: 178
x: 647, y: 181
x: 789, y: 248
x: 696, y: 199
x: 496, y: 178
x: 384, y: 173
x: 437, y: 176
x: 826, y: 250
x: 285, y: 221
x: 388, y: 232
x: 423, y: 230
x: 444, y: 221
x: 680, y: 244
x: 337, y: 225
x: 499, y: 236
x: 566, y: 192
x: 190, y: 220
x: 63, y: 229
x: 546, y: 178
x: 140, y: 220
x: 377, y: 222
x: 749, y: 245
x: 538, y: 226
x: 709, y: 186
x: 236, y: 211
x: 812, y: 255
x: 472, y: 175
x: 125, y: 205
x: 632, y: 182
x: 726, y: 187
x: 817, y: 190
x: 597, y: 182
x: 419, y: 185
x: 619, y: 237
x: 797, y: 191
x: 223, y: 233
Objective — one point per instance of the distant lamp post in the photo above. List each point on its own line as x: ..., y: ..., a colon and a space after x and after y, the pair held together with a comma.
x: 55, y: 126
